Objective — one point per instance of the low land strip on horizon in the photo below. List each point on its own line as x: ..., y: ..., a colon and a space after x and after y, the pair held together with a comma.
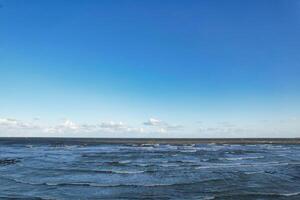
x: 56, y: 140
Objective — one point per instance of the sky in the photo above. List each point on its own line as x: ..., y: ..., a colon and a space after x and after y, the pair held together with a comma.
x: 101, y: 68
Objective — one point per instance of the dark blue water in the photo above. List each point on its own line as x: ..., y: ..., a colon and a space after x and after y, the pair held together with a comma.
x: 149, y: 171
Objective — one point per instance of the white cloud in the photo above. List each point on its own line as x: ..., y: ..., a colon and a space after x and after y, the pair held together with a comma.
x: 8, y: 122
x: 69, y: 126
x: 36, y: 118
x: 151, y: 128
x: 290, y: 120
x: 66, y: 126
x: 162, y: 126
x: 223, y: 130
x: 112, y: 126
x: 10, y: 126
x: 154, y: 122
x: 11, y: 123
x: 227, y: 124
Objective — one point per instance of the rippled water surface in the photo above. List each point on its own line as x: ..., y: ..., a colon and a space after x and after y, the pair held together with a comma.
x: 149, y: 171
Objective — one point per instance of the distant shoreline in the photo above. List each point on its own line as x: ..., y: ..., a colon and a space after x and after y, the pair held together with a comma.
x: 179, y: 141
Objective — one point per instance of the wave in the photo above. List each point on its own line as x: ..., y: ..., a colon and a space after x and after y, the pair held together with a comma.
x: 89, y: 170
x: 258, y: 172
x: 243, y: 158
x: 171, y: 163
x: 258, y: 194
x: 188, y: 151
x: 14, y: 197
x: 131, y: 185
x: 291, y: 194
x: 120, y: 185
x: 117, y: 163
x: 168, y: 165
x: 8, y: 161
x: 126, y: 172
x: 244, y: 165
x: 89, y: 184
x: 103, y: 171
x: 124, y: 161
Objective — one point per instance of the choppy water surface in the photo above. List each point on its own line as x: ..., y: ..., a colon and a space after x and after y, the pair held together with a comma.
x: 149, y: 171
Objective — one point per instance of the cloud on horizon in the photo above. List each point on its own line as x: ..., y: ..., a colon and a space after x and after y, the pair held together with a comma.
x: 153, y: 127
x: 11, y: 123
x: 163, y: 126
x: 19, y: 127
x: 108, y: 127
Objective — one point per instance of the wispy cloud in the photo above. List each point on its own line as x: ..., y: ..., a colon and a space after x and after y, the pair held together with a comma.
x: 153, y: 127
x: 154, y: 122
x: 118, y: 127
x: 226, y: 124
x: 162, y: 126
x: 11, y: 123
x: 110, y: 126
x: 68, y: 126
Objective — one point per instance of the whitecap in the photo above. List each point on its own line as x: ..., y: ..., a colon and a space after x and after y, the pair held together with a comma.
x: 124, y: 161
x: 243, y: 165
x: 291, y: 194
x: 127, y: 172
x: 189, y: 151
x: 258, y: 172
x: 243, y: 158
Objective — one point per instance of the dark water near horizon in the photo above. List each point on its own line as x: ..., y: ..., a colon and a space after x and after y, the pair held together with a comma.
x: 204, y: 171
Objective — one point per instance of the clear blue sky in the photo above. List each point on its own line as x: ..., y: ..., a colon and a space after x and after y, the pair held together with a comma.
x: 170, y: 68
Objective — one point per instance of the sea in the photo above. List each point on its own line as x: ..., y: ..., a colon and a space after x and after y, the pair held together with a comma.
x: 62, y: 170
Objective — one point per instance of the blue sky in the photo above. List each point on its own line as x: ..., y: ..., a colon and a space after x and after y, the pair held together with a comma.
x: 150, y: 68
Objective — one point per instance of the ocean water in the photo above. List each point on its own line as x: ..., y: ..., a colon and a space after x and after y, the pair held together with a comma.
x: 198, y: 171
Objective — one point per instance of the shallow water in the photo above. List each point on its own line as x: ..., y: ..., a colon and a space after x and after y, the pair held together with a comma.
x: 203, y: 171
